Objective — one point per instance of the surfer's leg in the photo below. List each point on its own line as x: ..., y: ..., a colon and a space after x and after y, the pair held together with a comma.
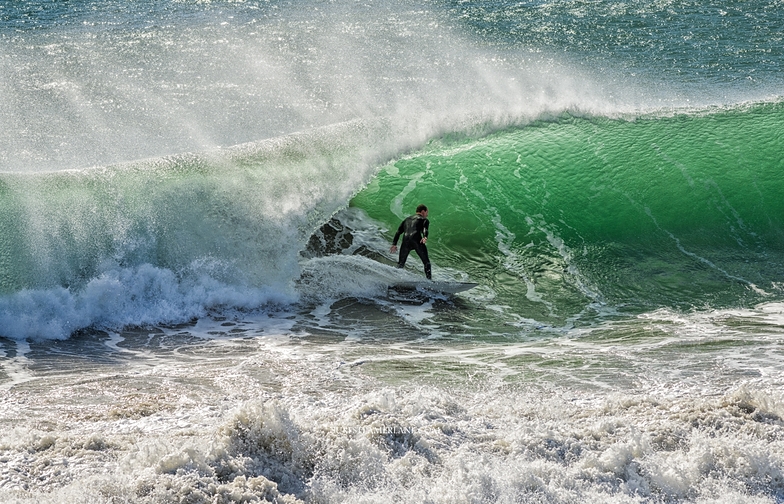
x: 421, y: 251
x: 405, y: 249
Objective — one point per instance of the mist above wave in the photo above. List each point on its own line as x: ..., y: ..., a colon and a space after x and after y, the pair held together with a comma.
x: 114, y: 86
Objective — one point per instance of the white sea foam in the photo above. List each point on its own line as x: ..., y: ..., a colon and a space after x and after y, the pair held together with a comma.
x: 273, y: 424
x: 254, y: 411
x: 146, y: 295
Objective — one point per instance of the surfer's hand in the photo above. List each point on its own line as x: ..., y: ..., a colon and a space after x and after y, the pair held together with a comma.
x: 423, y: 240
x: 393, y: 248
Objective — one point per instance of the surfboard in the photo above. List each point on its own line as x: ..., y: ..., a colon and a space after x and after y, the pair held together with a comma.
x: 436, y: 286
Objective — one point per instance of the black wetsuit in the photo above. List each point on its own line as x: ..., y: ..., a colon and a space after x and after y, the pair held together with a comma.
x: 413, y: 229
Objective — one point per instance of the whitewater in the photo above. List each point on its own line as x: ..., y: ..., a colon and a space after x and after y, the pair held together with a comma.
x: 197, y: 200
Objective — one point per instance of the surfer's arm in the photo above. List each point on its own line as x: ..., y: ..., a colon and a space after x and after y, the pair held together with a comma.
x: 425, y: 228
x: 400, y: 231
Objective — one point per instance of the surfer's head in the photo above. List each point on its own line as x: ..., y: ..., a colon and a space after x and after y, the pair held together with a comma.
x: 421, y: 209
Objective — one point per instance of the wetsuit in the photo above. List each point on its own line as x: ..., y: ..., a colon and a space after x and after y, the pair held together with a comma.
x: 413, y: 229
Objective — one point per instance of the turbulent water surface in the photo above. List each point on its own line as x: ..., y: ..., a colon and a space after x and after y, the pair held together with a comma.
x: 197, y: 200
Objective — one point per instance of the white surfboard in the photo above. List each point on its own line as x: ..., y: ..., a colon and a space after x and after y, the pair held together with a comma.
x: 436, y: 286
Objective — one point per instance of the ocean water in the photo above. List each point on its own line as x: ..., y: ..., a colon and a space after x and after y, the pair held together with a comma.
x: 197, y: 200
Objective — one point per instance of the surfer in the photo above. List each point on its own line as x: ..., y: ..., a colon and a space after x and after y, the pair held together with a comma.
x: 414, y: 230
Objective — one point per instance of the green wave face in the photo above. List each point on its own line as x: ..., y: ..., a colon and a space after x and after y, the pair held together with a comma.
x: 682, y: 211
